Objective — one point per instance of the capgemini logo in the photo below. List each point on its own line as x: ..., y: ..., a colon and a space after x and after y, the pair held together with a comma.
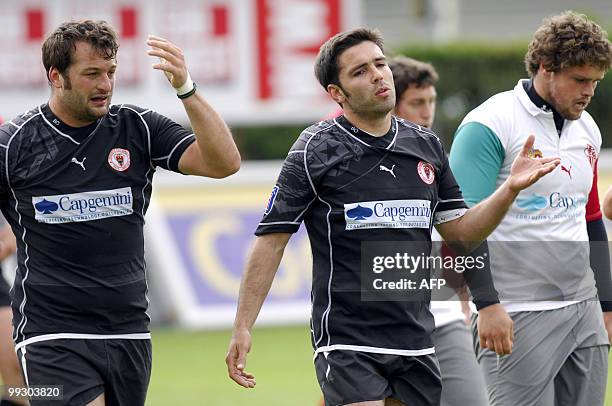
x: 532, y: 203
x: 359, y: 213
x: 46, y: 207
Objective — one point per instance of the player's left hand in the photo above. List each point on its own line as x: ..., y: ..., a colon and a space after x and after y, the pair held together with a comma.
x: 172, y: 60
x: 236, y: 356
x: 495, y: 329
x: 526, y: 171
x: 608, y: 323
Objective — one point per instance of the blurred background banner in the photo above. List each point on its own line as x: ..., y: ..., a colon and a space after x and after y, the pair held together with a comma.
x: 199, y: 233
x: 252, y: 58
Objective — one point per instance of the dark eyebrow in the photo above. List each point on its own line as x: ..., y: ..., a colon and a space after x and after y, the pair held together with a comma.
x: 356, y: 68
x: 580, y: 77
x: 92, y: 69
x: 378, y: 59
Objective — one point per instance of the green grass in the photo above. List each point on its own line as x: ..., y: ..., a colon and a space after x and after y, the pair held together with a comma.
x: 189, y: 369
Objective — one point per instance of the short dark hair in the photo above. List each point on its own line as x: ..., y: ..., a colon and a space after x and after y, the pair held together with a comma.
x: 326, y: 65
x: 407, y: 72
x: 566, y: 40
x: 59, y: 46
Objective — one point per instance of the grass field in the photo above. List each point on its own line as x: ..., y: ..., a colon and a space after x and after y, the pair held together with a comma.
x: 189, y: 369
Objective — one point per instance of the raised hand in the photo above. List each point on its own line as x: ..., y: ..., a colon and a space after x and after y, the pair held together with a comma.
x: 171, y: 60
x: 526, y: 171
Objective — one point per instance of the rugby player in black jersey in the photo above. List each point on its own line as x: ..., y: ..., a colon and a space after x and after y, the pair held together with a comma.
x: 361, y: 178
x: 75, y: 182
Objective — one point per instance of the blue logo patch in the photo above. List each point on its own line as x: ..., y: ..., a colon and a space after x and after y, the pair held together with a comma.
x: 359, y: 213
x: 532, y: 203
x: 83, y: 206
x: 46, y: 207
x: 275, y: 190
x: 412, y: 213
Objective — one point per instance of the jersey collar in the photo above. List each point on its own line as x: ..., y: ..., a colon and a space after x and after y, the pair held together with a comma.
x: 364, y: 137
x: 75, y: 134
x: 543, y: 104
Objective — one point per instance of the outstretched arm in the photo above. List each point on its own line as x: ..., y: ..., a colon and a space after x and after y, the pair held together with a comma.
x: 256, y: 281
x: 214, y: 154
x: 479, y: 221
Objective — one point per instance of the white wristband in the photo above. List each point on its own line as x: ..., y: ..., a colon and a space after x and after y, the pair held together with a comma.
x: 185, y: 87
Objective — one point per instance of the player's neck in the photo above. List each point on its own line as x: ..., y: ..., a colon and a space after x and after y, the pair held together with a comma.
x: 541, y: 89
x: 64, y: 115
x: 374, y: 124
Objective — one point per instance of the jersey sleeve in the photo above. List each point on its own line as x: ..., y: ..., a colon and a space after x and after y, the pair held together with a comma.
x: 450, y: 200
x: 168, y: 140
x: 476, y: 158
x: 5, y: 135
x: 593, y: 208
x: 291, y: 196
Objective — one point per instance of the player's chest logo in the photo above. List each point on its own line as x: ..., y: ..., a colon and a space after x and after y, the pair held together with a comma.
x: 79, y: 163
x: 119, y: 159
x: 385, y: 169
x: 591, y: 155
x: 426, y: 172
x: 567, y: 169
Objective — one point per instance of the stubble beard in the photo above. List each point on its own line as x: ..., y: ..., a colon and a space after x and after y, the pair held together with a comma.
x: 80, y: 110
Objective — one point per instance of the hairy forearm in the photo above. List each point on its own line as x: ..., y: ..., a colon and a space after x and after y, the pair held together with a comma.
x: 478, y: 222
x: 257, y: 278
x: 216, y: 145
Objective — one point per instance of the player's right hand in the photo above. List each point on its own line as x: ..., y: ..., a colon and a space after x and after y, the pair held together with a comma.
x: 495, y: 329
x: 171, y: 60
x: 235, y: 359
x: 526, y: 171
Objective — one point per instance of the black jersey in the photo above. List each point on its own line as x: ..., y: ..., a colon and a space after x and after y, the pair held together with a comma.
x: 76, y: 199
x: 350, y: 187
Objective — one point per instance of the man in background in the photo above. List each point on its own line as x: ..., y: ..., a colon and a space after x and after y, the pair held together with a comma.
x: 415, y: 89
x: 540, y: 257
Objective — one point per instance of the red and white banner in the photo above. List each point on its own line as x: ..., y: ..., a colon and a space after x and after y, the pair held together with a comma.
x: 253, y: 59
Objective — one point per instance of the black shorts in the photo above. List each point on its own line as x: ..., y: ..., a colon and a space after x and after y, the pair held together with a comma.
x: 352, y: 376
x: 86, y: 368
x: 5, y: 300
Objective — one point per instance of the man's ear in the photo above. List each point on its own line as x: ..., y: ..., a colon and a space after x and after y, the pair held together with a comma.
x: 55, y: 78
x: 336, y: 93
x: 543, y: 71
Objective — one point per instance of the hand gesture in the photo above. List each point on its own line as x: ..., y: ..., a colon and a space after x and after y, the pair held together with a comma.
x: 171, y: 60
x: 526, y: 171
x: 495, y: 329
x: 239, y: 347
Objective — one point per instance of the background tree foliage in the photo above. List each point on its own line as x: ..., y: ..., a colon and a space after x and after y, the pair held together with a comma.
x: 470, y: 73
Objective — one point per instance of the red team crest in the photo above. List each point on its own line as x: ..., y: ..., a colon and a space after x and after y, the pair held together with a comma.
x: 119, y: 159
x: 426, y: 172
x: 591, y: 154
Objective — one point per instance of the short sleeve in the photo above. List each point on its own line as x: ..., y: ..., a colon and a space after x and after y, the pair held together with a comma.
x: 290, y: 198
x: 168, y: 140
x: 476, y: 158
x: 593, y: 208
x: 450, y: 199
